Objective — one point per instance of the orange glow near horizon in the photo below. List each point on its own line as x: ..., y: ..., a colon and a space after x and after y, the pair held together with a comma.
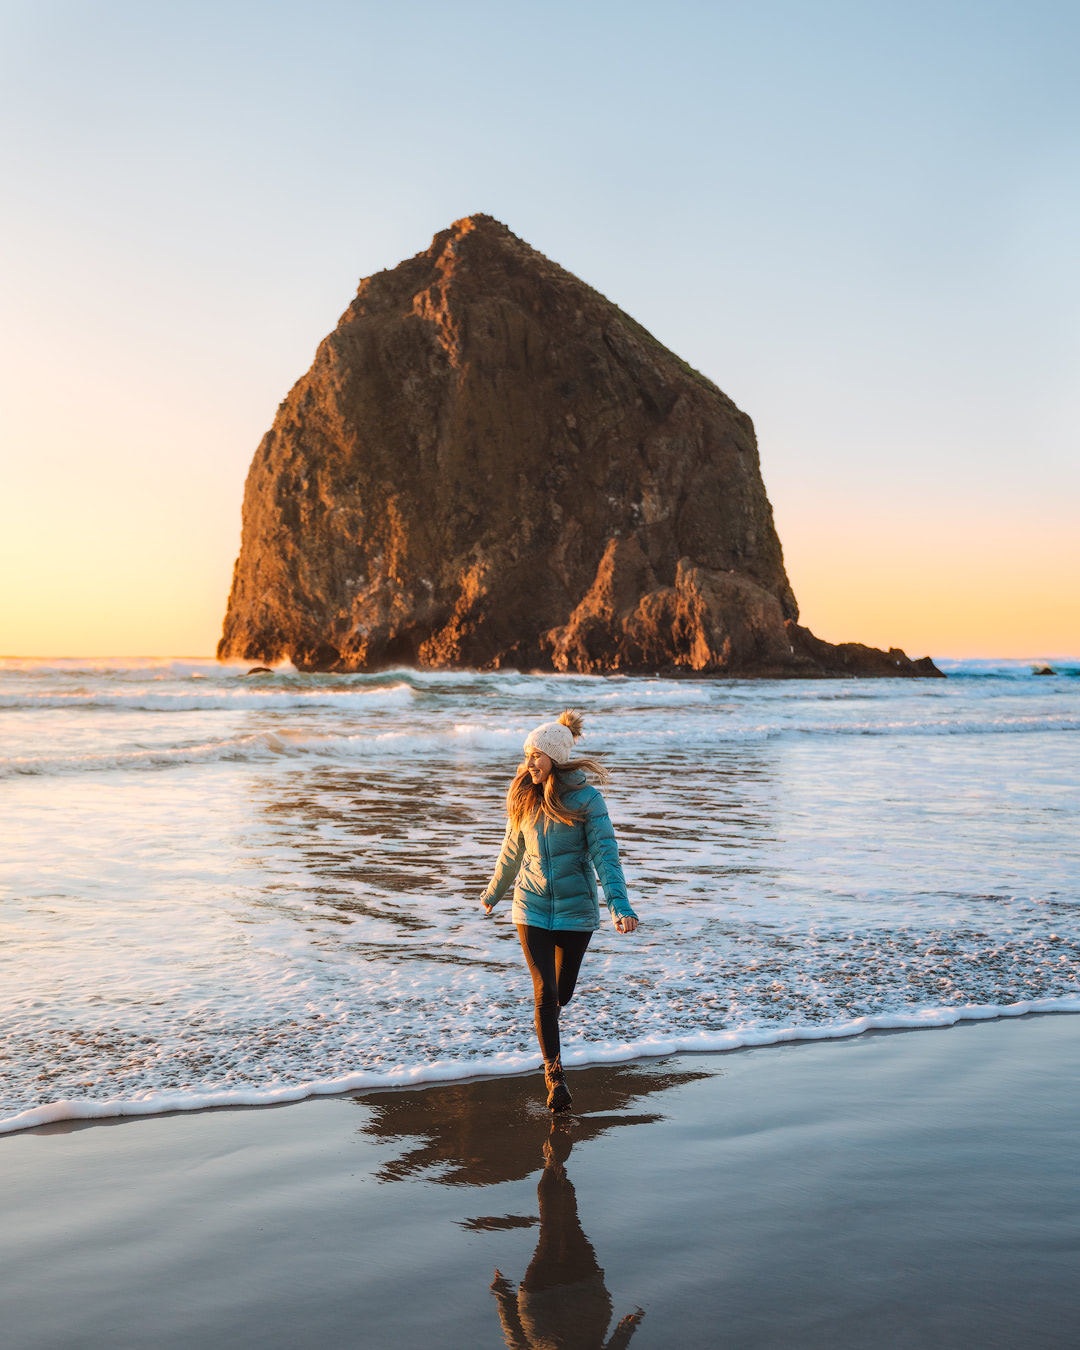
x: 112, y: 549
x: 963, y: 598
x: 954, y: 592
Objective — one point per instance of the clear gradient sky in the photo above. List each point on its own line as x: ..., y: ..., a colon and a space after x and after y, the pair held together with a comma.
x: 860, y: 218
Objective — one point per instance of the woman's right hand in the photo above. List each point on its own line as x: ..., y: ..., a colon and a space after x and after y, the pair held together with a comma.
x: 486, y: 908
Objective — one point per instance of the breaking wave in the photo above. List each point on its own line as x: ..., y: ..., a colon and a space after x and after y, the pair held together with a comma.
x: 270, y: 744
x: 216, y: 699
x: 155, y: 1102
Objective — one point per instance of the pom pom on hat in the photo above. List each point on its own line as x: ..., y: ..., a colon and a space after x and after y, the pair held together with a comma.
x: 556, y: 739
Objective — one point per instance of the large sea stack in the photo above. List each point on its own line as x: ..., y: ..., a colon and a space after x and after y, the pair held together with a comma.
x: 489, y: 464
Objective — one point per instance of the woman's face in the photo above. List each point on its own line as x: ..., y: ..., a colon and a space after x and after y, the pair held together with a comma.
x: 538, y: 765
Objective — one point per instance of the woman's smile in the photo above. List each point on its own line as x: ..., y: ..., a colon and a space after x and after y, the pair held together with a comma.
x: 538, y: 765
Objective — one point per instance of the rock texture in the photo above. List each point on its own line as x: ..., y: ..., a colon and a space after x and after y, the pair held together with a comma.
x: 489, y: 464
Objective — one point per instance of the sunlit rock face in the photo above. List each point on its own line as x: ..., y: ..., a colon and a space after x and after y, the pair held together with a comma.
x: 489, y: 464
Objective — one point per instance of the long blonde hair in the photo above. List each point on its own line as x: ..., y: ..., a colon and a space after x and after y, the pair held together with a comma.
x: 525, y: 800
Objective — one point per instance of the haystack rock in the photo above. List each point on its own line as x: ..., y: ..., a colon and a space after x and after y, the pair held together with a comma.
x: 489, y: 464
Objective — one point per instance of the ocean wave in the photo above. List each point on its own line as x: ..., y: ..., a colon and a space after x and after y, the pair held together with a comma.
x: 656, y: 694
x: 267, y: 745
x: 732, y: 731
x: 504, y: 681
x: 216, y: 699
x: 250, y: 747
x: 915, y: 727
x: 155, y: 1102
x: 1010, y: 668
x: 502, y: 740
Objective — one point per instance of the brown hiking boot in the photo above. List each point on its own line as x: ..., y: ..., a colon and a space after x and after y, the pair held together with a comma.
x: 558, y: 1093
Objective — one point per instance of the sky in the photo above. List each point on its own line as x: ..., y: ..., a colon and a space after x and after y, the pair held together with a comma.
x: 859, y: 218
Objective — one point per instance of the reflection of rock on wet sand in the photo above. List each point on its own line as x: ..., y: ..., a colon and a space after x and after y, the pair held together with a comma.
x: 562, y: 1300
x: 496, y: 1130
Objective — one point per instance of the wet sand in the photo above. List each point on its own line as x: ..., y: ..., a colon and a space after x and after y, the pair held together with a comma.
x: 911, y: 1189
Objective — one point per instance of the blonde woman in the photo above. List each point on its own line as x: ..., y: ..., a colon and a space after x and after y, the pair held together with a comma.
x: 558, y: 837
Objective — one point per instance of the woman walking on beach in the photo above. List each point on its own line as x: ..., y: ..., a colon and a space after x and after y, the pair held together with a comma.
x: 558, y: 837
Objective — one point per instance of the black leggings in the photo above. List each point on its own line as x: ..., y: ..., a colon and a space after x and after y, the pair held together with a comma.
x: 554, y: 958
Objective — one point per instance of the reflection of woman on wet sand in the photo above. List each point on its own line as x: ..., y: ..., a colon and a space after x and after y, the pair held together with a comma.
x: 562, y: 1303
x: 558, y: 836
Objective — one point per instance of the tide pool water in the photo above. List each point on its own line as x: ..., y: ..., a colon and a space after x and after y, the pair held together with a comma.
x: 226, y: 888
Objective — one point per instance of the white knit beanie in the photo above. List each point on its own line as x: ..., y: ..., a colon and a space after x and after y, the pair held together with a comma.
x: 556, y: 739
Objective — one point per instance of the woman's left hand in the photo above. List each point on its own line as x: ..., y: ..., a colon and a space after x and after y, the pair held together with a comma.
x: 625, y: 923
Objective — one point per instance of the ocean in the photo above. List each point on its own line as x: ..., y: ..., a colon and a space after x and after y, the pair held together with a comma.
x: 223, y: 889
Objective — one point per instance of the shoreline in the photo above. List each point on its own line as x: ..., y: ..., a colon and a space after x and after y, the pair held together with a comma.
x: 163, y: 1102
x: 887, y: 1190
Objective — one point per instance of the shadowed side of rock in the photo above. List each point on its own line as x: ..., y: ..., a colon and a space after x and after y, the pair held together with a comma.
x: 853, y: 658
x: 489, y: 464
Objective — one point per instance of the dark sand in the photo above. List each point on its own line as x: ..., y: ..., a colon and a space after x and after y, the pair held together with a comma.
x: 916, y: 1189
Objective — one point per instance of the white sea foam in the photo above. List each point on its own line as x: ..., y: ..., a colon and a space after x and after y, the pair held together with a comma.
x: 256, y: 747
x: 215, y: 699
x: 262, y: 746
x: 247, y: 748
x: 154, y: 1102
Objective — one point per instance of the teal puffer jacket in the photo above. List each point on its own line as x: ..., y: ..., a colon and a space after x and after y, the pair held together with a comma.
x: 553, y: 867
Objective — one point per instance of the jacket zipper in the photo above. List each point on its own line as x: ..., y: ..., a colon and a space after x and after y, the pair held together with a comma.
x: 547, y: 873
